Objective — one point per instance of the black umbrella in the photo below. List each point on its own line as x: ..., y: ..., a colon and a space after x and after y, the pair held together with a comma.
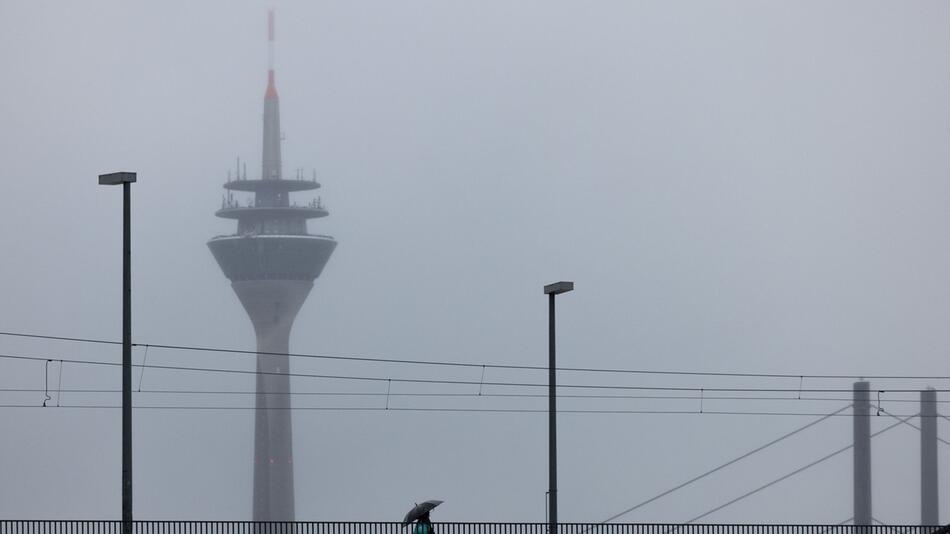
x: 419, y: 510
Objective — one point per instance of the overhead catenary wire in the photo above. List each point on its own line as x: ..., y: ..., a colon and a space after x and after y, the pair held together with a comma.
x: 46, y: 387
x: 480, y: 383
x: 441, y: 409
x: 799, y: 376
x: 469, y: 382
x: 425, y: 410
x: 60, y: 338
x: 297, y: 393
x: 59, y: 385
x: 142, y: 374
x: 451, y: 395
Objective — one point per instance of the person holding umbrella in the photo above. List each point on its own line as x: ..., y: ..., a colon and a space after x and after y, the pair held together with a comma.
x: 420, y: 514
x: 423, y: 525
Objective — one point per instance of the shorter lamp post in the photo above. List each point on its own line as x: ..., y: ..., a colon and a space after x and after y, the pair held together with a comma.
x: 551, y: 290
x: 126, y: 179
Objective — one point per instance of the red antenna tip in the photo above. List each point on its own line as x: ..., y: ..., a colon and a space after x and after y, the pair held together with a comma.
x: 270, y: 25
x: 271, y: 87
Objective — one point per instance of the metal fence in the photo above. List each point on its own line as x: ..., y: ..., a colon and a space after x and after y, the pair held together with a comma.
x: 251, y: 527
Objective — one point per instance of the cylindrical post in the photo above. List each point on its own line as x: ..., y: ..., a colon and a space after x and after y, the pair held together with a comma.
x: 929, y: 508
x: 862, y: 453
x: 551, y: 290
x: 552, y: 421
x: 126, y: 360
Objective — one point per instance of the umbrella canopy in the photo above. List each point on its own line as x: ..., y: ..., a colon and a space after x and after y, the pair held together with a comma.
x: 419, y: 510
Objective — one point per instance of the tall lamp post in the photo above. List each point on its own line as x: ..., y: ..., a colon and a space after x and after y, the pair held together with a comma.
x: 552, y: 290
x: 126, y: 179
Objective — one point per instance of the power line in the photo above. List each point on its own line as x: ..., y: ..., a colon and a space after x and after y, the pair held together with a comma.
x: 700, y: 390
x: 408, y: 408
x: 726, y: 398
x: 725, y: 465
x: 415, y: 409
x: 485, y: 365
x: 61, y: 338
x: 452, y: 395
x: 791, y: 474
x: 299, y: 375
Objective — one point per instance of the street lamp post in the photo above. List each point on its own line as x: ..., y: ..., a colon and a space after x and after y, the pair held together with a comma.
x: 126, y: 179
x: 552, y: 290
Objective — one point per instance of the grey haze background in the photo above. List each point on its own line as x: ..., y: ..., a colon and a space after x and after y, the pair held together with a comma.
x: 734, y: 186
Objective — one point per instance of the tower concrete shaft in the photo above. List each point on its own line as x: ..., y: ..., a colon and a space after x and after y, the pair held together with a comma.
x: 272, y: 262
x: 272, y: 306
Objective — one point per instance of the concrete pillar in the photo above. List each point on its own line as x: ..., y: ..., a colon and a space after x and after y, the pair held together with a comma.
x: 272, y: 306
x: 862, y: 453
x: 929, y: 509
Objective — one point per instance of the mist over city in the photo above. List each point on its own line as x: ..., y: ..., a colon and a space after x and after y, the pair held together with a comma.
x: 750, y: 199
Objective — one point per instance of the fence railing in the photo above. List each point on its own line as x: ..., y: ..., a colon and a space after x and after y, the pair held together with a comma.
x: 251, y: 527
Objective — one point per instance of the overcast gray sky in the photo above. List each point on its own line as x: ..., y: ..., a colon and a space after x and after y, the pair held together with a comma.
x: 733, y: 186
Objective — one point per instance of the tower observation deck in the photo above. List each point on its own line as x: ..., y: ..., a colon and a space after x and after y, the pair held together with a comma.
x: 272, y: 262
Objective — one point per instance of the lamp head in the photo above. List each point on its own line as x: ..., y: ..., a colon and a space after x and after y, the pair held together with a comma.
x: 558, y: 287
x: 116, y: 178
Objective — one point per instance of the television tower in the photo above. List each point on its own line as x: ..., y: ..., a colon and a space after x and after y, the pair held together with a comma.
x: 272, y: 262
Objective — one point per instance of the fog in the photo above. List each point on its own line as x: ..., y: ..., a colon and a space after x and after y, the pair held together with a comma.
x: 738, y: 187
